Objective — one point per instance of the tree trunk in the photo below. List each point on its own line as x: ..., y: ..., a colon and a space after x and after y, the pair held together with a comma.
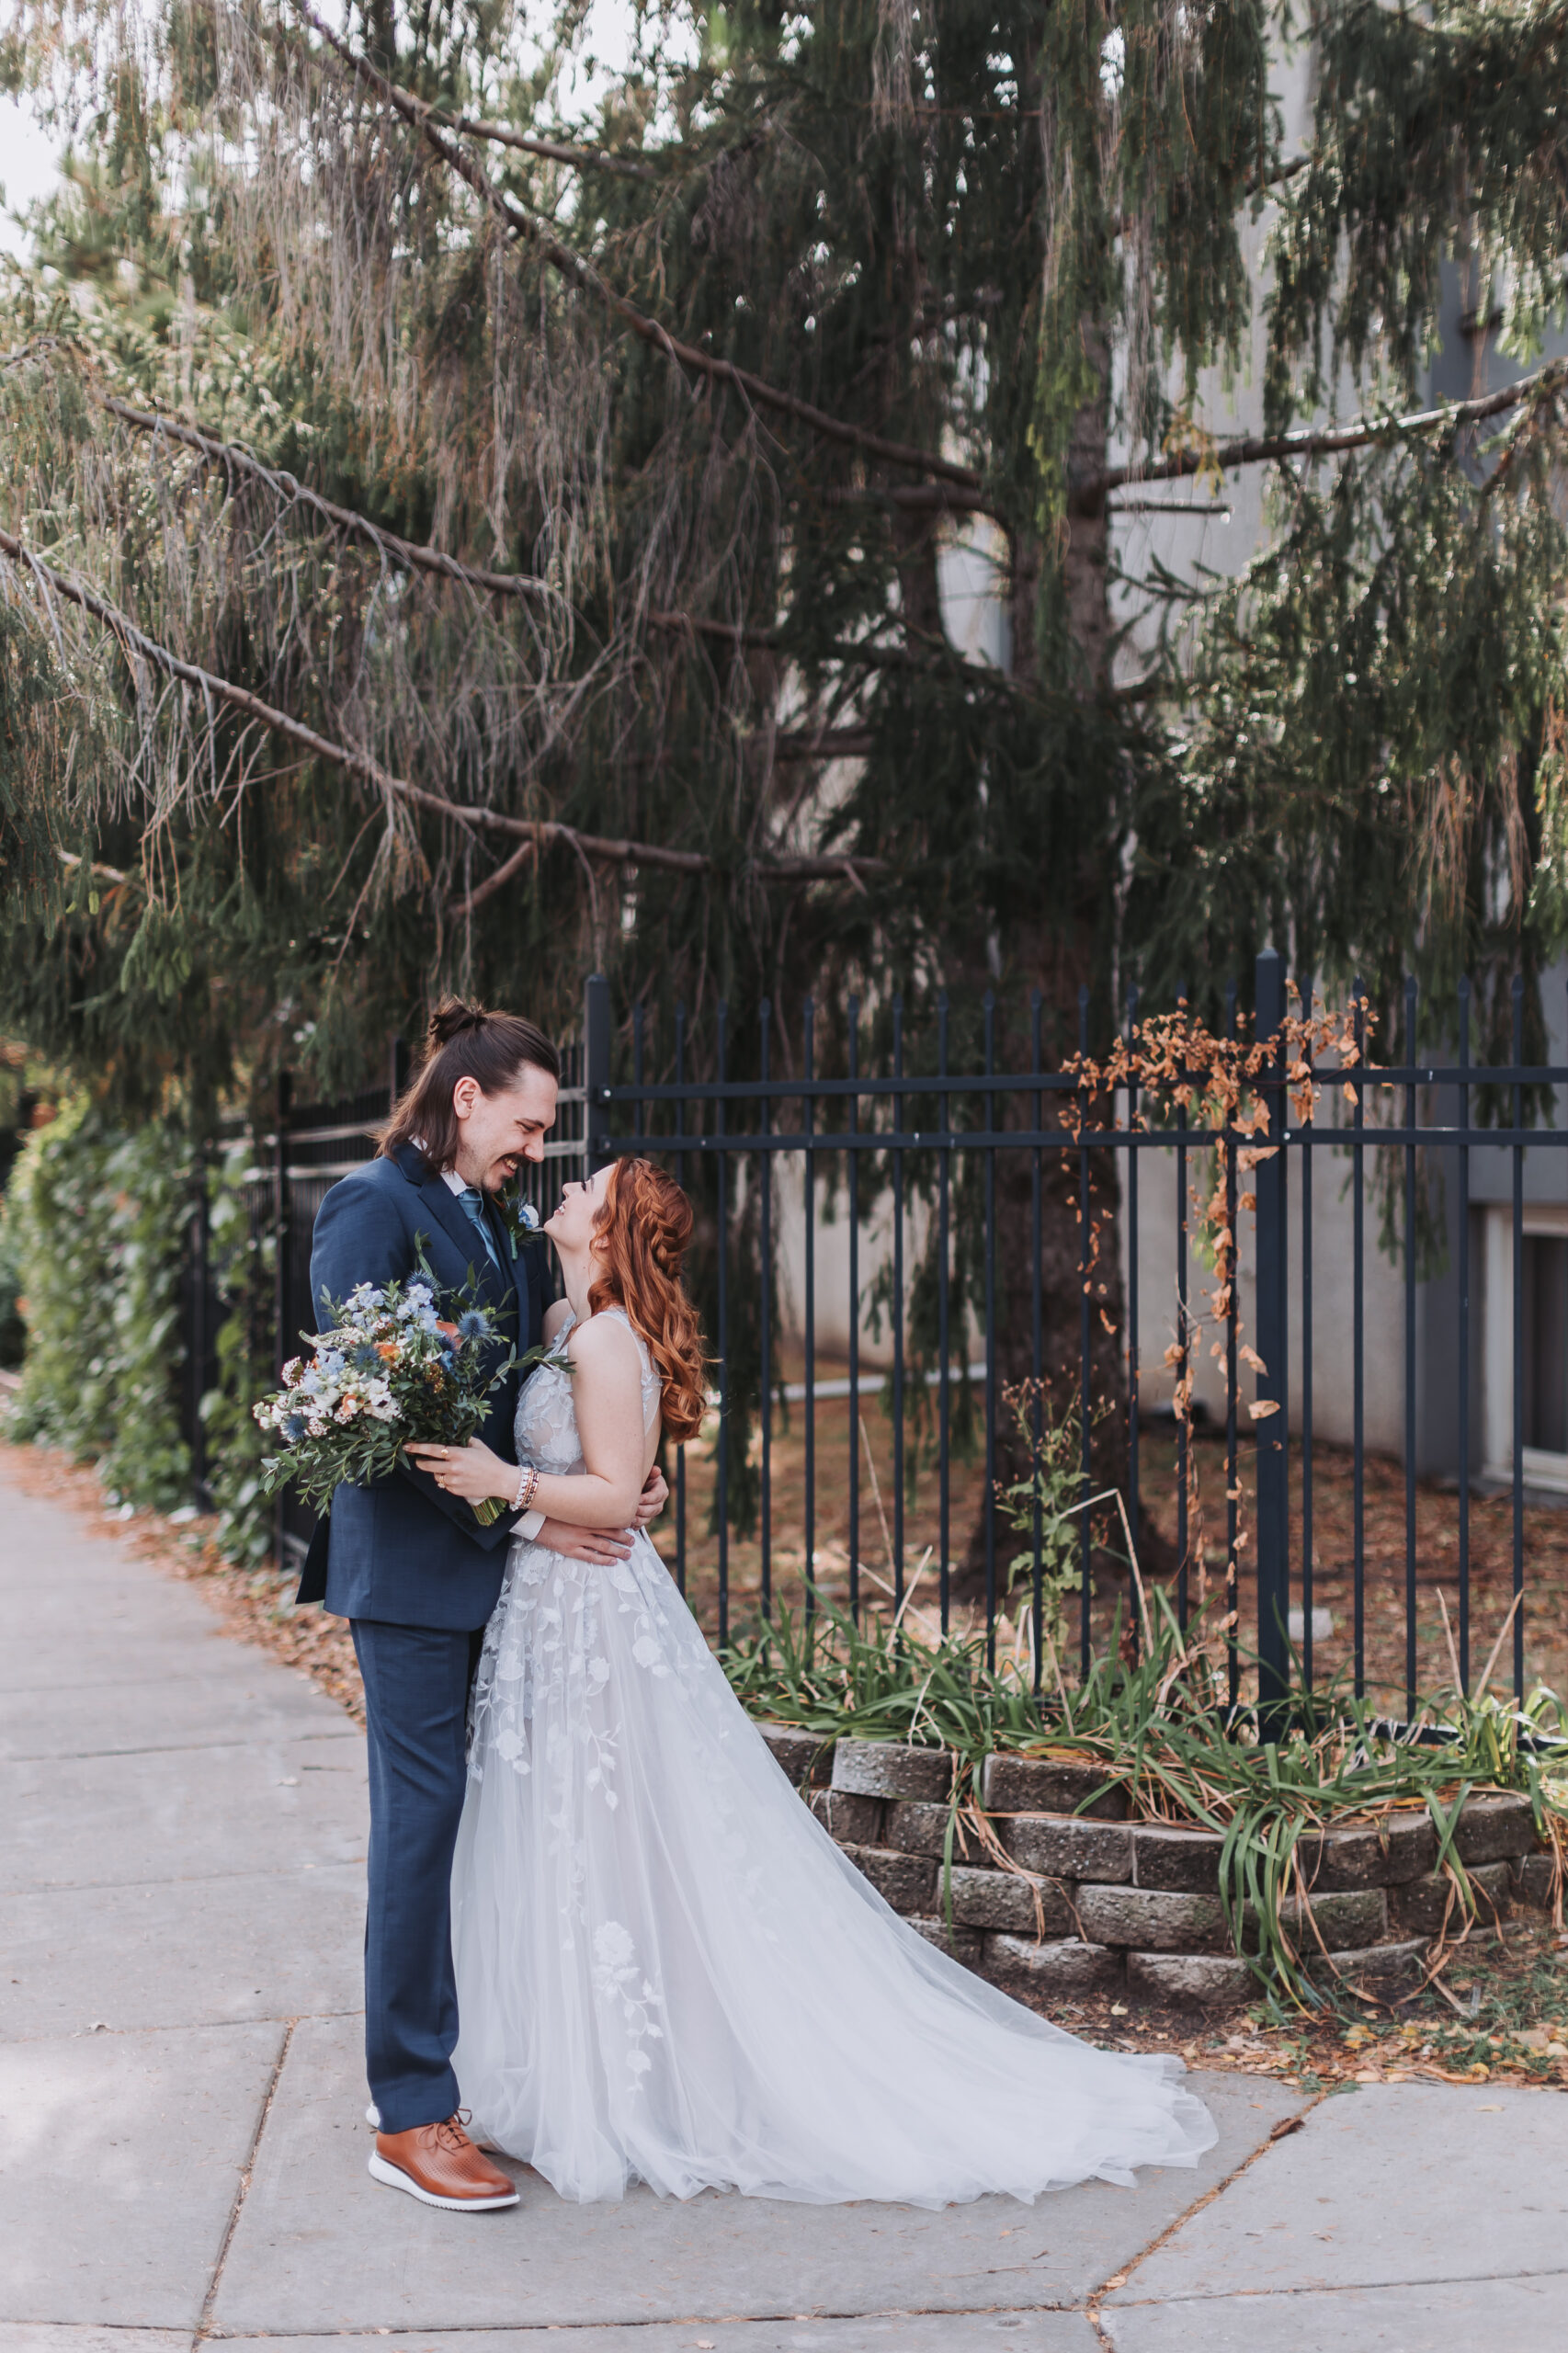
x: 1088, y: 601
x: 1059, y: 965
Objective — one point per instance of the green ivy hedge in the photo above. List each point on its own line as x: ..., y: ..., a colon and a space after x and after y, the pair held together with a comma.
x: 244, y: 1263
x: 13, y: 1331
x: 97, y: 1219
x: 96, y: 1225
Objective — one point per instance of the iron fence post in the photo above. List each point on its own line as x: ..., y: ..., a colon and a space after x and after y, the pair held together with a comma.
x: 1272, y: 1425
x: 198, y: 1338
x: 281, y: 1274
x: 1518, y: 1270
x: 596, y: 1070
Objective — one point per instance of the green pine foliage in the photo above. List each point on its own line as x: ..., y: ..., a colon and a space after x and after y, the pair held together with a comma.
x: 1365, y: 726
x: 1438, y: 138
x: 1016, y: 241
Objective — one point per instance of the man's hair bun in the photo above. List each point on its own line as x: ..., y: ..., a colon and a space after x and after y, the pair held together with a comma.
x: 462, y: 1042
x: 450, y: 1018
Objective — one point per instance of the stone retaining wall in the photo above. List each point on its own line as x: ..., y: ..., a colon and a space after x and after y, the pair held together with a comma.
x: 1087, y: 1901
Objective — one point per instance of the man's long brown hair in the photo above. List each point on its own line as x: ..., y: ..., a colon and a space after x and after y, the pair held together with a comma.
x: 641, y: 1231
x: 462, y: 1042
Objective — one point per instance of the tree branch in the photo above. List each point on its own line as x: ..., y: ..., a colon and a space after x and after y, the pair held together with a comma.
x: 1280, y: 172
x: 234, y: 459
x: 231, y: 458
x: 1168, y: 506
x: 1250, y: 187
x: 928, y: 655
x: 554, y: 151
x: 582, y: 273
x: 104, y: 874
x: 1156, y: 686
x: 496, y: 881
x: 826, y: 743
x: 1313, y: 441
x: 543, y: 831
x: 933, y: 497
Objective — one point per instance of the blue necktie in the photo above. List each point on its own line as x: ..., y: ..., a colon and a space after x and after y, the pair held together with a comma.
x: 472, y: 1200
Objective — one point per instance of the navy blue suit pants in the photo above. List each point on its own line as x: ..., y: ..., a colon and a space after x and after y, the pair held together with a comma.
x: 417, y: 1687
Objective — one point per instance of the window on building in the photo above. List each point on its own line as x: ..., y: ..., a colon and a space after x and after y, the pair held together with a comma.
x: 1545, y: 1273
x: 1542, y: 1275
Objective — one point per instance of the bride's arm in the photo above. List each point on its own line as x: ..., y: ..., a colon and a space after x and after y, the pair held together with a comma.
x: 606, y: 1394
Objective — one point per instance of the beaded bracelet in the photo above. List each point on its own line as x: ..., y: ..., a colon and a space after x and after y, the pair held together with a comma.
x: 527, y: 1480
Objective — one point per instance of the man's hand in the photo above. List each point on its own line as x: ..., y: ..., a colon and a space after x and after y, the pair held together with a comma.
x: 603, y: 1546
x: 656, y: 1496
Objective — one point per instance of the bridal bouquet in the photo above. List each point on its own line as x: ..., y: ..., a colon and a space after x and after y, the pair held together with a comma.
x: 389, y: 1372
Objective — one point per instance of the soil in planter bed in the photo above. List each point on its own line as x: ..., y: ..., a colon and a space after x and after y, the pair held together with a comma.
x: 1507, y: 2023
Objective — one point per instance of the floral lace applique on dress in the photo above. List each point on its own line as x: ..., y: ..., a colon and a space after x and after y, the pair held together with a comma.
x: 547, y: 1628
x: 628, y: 1994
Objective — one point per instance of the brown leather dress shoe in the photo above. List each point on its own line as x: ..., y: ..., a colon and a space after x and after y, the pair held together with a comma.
x: 439, y: 2164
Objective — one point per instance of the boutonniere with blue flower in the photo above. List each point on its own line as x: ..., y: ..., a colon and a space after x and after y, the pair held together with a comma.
x: 518, y: 1215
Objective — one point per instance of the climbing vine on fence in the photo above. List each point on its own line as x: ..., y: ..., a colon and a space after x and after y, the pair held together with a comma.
x: 1174, y: 1063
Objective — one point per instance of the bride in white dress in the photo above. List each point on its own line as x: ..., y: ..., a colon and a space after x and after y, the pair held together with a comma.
x: 666, y: 1971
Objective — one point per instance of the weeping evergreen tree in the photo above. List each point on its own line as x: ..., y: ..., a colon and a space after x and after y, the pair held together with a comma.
x: 457, y: 529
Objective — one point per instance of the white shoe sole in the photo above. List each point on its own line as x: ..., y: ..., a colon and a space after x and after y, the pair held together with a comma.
x: 395, y: 2178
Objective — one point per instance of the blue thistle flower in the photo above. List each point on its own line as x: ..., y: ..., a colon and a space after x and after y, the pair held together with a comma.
x: 293, y: 1427
x: 472, y: 1326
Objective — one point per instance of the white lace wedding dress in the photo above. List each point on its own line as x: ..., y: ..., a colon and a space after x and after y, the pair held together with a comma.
x: 667, y: 1972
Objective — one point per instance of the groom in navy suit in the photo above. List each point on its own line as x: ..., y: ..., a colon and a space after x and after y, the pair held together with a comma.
x: 414, y: 1572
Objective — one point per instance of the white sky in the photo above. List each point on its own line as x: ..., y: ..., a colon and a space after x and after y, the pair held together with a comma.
x: 29, y: 169
x: 29, y: 162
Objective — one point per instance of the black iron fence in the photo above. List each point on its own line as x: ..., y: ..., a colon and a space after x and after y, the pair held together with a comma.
x: 915, y: 1278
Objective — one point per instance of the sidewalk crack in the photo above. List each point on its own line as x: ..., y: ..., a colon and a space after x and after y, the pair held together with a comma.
x: 1119, y: 2279
x: 204, y: 2325
x: 1349, y: 2287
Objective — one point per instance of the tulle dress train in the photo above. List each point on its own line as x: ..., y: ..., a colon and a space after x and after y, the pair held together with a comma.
x: 668, y: 1973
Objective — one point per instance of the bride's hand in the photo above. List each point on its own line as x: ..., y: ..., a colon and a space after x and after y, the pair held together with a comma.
x: 471, y: 1470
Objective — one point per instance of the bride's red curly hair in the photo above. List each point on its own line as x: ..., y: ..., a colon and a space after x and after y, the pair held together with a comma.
x: 641, y: 1233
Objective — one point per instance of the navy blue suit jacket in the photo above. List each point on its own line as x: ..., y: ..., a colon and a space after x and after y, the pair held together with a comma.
x: 401, y: 1551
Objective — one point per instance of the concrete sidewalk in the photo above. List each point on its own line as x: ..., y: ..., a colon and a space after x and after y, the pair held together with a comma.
x: 182, y: 2160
